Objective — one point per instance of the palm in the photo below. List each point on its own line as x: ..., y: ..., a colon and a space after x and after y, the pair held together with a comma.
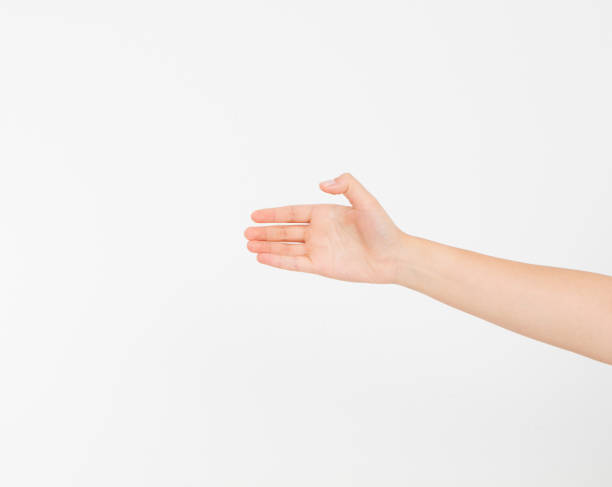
x: 352, y: 243
x: 345, y: 243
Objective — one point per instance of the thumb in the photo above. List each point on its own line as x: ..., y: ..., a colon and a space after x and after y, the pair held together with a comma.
x: 347, y: 185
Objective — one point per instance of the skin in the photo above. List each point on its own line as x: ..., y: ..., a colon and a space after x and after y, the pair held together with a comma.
x: 567, y: 308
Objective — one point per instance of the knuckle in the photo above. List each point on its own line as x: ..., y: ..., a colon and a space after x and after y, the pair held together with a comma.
x: 307, y: 233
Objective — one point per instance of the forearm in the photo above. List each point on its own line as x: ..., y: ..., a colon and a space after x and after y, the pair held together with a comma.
x: 566, y: 308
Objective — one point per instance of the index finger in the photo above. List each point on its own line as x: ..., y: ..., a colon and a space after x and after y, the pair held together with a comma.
x: 283, y: 214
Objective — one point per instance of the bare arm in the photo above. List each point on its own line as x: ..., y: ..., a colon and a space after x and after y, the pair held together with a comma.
x: 567, y: 308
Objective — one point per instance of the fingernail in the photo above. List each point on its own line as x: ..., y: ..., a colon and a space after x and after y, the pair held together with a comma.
x: 328, y: 183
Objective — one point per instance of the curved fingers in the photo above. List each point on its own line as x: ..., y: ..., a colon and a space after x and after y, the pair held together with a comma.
x: 277, y: 233
x: 277, y: 248
x: 283, y: 214
x: 287, y: 262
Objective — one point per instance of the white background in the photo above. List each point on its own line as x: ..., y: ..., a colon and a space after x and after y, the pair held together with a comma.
x: 142, y: 345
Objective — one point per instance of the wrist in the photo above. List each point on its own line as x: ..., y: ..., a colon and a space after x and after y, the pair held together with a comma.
x: 412, y: 259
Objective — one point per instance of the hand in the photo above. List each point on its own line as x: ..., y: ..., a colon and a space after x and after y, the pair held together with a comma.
x: 351, y: 243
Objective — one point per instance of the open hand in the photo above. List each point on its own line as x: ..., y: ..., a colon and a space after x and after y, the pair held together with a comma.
x: 352, y: 243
